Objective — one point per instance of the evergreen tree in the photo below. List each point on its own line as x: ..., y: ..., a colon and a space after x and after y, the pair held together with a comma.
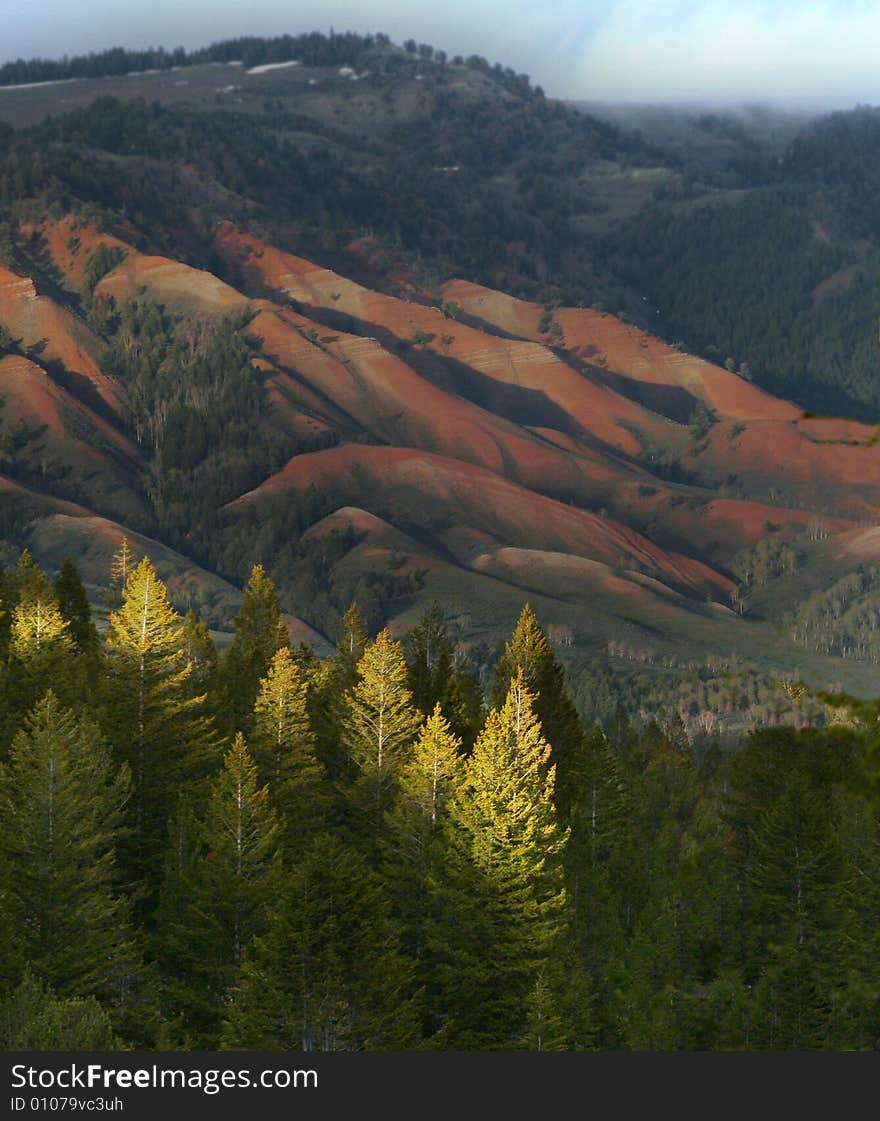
x: 39, y: 630
x: 284, y: 749
x: 40, y: 649
x: 379, y: 726
x: 33, y: 1018
x: 546, y: 1024
x: 529, y: 651
x: 436, y: 676
x: 434, y: 771
x: 7, y: 598
x: 795, y: 864
x: 60, y: 821
x: 502, y: 902
x: 260, y: 631
x: 241, y: 839
x: 176, y: 942
x: 154, y: 722
x: 352, y: 644
x: 414, y: 848
x: 332, y: 681
x: 430, y: 659
x: 603, y: 875
x: 201, y: 653
x: 329, y: 974
x: 122, y: 563
x: 226, y: 890
x: 74, y: 606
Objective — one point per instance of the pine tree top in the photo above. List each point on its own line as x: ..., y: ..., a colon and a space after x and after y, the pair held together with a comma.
x: 146, y: 622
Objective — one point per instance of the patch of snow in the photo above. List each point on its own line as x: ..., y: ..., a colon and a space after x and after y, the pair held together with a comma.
x: 267, y: 66
x: 33, y: 85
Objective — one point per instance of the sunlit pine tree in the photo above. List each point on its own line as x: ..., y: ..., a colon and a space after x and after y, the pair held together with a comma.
x: 502, y: 899
x: 153, y: 721
x: 415, y: 842
x: 41, y: 649
x: 379, y: 728
x: 530, y: 651
x: 283, y: 748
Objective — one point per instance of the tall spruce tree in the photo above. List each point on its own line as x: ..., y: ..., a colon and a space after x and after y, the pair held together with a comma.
x: 331, y: 682
x: 61, y: 809
x: 260, y: 631
x: 153, y: 721
x: 215, y: 898
x: 74, y: 606
x: 602, y: 875
x: 329, y: 975
x: 502, y: 898
x: 379, y: 728
x: 414, y: 849
x: 530, y: 651
x: 437, y: 675
x: 793, y: 873
x: 283, y: 747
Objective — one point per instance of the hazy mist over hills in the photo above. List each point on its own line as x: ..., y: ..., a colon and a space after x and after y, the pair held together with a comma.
x: 815, y: 54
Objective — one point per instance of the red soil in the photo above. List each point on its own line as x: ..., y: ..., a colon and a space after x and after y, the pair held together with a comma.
x: 863, y: 543
x: 38, y: 321
x: 434, y: 485
x: 752, y: 517
x: 350, y: 517
x: 603, y: 340
x: 71, y: 246
x: 175, y: 284
x: 387, y: 397
x: 771, y: 454
x: 596, y: 409
x: 31, y: 395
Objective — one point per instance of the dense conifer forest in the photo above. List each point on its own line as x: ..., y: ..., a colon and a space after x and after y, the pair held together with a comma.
x: 256, y: 848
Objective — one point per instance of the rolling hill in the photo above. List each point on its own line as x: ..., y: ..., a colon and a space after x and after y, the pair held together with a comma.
x: 402, y: 450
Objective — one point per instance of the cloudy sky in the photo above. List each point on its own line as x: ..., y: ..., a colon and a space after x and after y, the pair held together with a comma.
x: 813, y: 52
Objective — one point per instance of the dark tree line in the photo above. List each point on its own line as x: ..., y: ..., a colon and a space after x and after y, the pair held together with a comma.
x: 312, y: 49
